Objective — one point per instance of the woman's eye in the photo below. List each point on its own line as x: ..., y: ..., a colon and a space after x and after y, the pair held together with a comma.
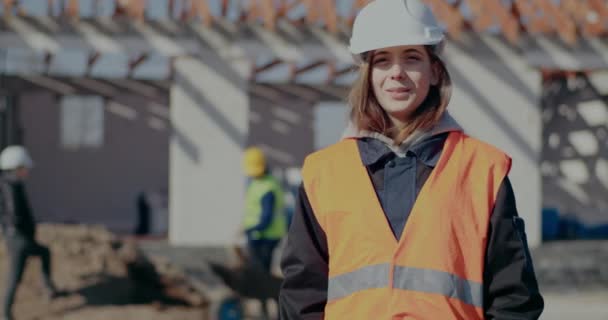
x: 413, y: 58
x: 379, y: 60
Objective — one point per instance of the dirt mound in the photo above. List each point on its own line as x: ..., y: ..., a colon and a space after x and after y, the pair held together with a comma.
x: 105, y: 277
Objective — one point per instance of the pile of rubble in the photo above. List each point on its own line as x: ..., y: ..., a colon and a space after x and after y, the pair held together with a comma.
x: 105, y: 277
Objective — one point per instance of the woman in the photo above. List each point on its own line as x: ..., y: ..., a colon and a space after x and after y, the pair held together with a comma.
x: 407, y: 217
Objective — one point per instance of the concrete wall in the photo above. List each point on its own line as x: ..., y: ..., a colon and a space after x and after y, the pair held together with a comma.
x: 96, y: 185
x: 496, y: 97
x: 209, y: 112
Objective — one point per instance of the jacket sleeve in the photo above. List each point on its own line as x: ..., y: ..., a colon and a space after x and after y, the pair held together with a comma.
x: 510, y: 286
x: 305, y: 266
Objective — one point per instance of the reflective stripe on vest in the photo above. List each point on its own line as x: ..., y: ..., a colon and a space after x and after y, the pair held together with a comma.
x: 422, y: 280
x: 435, y: 269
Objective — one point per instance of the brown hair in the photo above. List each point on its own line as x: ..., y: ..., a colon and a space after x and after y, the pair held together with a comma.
x: 367, y: 114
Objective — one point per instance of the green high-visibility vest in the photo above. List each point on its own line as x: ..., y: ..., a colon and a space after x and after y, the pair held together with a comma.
x: 253, y: 208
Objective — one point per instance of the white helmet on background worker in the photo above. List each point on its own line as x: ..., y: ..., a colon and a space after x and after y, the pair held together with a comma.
x: 13, y: 157
x: 391, y: 23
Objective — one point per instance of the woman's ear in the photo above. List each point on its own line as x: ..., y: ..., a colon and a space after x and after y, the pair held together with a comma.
x: 435, y: 72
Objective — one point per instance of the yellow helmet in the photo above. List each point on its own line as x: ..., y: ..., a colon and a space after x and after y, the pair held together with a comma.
x: 254, y: 162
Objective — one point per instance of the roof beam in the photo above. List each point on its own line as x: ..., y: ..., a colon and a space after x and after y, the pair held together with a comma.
x: 8, y: 8
x: 266, y: 66
x: 93, y: 58
x: 565, y: 27
x: 72, y: 9
x: 483, y: 16
x: 529, y: 10
x: 270, y: 15
x: 286, y: 6
x: 295, y: 71
x: 201, y: 7
x: 357, y: 5
x: 600, y: 8
x: 450, y: 15
x: 591, y: 15
x: 224, y: 8
x: 137, y: 9
x: 136, y: 62
x: 331, y: 16
x: 509, y: 24
x: 49, y: 83
x: 312, y: 11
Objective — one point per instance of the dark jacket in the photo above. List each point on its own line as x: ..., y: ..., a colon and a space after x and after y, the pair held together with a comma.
x: 510, y: 287
x: 15, y: 212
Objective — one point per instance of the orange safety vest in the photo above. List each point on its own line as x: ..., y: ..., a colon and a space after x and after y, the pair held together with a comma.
x: 435, y: 270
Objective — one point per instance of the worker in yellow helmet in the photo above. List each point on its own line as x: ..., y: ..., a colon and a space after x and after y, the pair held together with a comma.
x: 264, y: 222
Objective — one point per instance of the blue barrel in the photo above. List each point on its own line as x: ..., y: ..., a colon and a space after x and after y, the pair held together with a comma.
x: 230, y: 309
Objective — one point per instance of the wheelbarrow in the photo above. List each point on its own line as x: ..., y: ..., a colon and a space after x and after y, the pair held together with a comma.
x: 247, y: 279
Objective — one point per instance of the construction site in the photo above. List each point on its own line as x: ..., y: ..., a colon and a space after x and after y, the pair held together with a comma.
x: 133, y: 106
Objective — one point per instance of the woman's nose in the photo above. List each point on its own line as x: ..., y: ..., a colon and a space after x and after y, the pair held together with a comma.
x: 396, y: 71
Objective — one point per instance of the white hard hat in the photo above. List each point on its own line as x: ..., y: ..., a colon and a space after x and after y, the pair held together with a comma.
x: 390, y: 23
x: 13, y: 157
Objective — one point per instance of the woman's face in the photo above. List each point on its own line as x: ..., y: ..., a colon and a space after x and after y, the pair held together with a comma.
x: 401, y: 78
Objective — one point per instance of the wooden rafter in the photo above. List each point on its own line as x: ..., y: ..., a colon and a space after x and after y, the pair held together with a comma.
x: 259, y: 69
x: 224, y: 7
x: 450, y: 16
x: 72, y: 9
x: 312, y: 11
x: 331, y: 16
x: 509, y: 24
x: 93, y: 58
x: 287, y: 5
x: 600, y: 10
x: 8, y: 7
x: 48, y: 57
x: 357, y: 5
x: 136, y: 62
x: 578, y: 10
x: 562, y: 23
x: 270, y: 14
x: 483, y: 16
x: 295, y: 71
x: 254, y: 11
x: 530, y: 11
x: 201, y: 8
x: 137, y: 9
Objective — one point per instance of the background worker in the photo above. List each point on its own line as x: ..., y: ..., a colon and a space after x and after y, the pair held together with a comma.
x: 264, y: 223
x: 18, y: 224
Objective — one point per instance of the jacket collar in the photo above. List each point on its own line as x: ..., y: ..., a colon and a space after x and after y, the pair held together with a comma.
x: 426, y: 146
